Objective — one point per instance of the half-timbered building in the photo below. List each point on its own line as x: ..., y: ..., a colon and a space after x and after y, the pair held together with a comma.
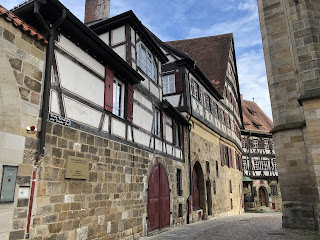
x: 261, y: 187
x: 200, y: 80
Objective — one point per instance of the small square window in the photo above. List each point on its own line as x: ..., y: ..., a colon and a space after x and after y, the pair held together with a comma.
x: 169, y: 85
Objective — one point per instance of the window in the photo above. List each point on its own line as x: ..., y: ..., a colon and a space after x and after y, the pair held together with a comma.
x: 255, y: 143
x: 208, y: 166
x: 157, y: 123
x: 180, y: 213
x: 256, y: 165
x: 216, y: 111
x: 146, y: 62
x: 118, y: 98
x: 179, y: 188
x: 244, y: 164
x: 169, y: 84
x: 195, y: 90
x: 243, y: 142
x: 273, y: 190
x: 207, y: 101
x: 230, y: 183
x: 265, y: 165
x: 274, y: 163
x: 214, y: 187
x: 222, y: 119
x: 266, y: 144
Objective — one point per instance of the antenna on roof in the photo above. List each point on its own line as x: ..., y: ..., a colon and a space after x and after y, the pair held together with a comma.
x: 253, y: 99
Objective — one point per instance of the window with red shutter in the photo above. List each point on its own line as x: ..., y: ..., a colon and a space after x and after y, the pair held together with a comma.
x: 178, y: 81
x: 130, y: 103
x: 108, y: 90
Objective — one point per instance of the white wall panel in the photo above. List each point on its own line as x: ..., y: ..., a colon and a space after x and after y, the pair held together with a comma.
x: 105, y: 37
x: 129, y: 135
x: 118, y: 128
x: 141, y: 99
x: 178, y: 153
x: 105, y: 126
x: 154, y: 90
x: 121, y: 51
x: 173, y: 100
x: 142, y: 118
x: 77, y: 80
x: 169, y: 134
x: 158, y: 145
x: 81, y: 113
x: 118, y: 35
x: 81, y: 55
x: 169, y: 149
x: 140, y: 137
x: 54, y: 104
x: 133, y: 34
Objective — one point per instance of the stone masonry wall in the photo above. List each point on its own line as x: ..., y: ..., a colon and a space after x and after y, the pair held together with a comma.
x: 112, y: 203
x: 21, y: 67
x: 205, y: 147
x: 290, y: 33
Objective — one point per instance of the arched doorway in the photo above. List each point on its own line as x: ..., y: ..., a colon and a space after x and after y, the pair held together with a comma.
x: 263, y: 196
x: 158, y: 198
x: 198, y: 190
x: 209, y: 197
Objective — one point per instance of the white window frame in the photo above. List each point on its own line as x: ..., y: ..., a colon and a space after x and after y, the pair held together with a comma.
x: 146, y: 62
x: 257, y: 165
x: 255, y: 143
x: 169, y: 84
x: 265, y: 165
x: 274, y: 163
x: 244, y: 164
x: 273, y: 190
x: 207, y: 101
x: 266, y: 144
x: 157, y: 123
x: 118, y: 98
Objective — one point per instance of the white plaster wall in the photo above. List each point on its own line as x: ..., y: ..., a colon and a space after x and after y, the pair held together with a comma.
x: 169, y: 149
x: 118, y: 128
x: 129, y: 134
x: 105, y: 37
x: 140, y: 98
x: 169, y: 134
x: 54, y: 104
x: 118, y: 35
x: 154, y: 89
x: 140, y: 137
x: 158, y: 145
x: 121, y: 51
x: 105, y: 125
x: 82, y: 113
x: 11, y: 148
x: 133, y: 53
x: 78, y: 53
x: 142, y: 118
x: 77, y: 80
x: 133, y: 34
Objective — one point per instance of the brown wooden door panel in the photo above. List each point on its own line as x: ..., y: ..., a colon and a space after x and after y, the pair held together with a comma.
x: 195, y: 190
x: 165, y: 212
x: 154, y: 220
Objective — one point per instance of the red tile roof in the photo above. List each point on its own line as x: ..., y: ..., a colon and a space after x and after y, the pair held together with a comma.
x: 211, y: 55
x: 254, y: 119
x: 17, y: 22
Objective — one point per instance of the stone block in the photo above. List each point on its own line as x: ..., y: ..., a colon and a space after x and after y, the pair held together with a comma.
x: 20, y: 213
x: 71, y: 134
x: 55, y: 227
x: 23, y: 202
x: 16, y: 235
x: 50, y: 218
x: 9, y: 36
x: 32, y: 84
x: 19, y: 224
x: 15, y: 63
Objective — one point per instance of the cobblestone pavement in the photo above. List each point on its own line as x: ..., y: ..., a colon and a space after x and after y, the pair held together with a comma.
x: 246, y: 226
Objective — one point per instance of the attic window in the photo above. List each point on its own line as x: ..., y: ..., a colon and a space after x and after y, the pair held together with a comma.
x: 251, y: 111
x: 257, y: 125
x: 246, y: 123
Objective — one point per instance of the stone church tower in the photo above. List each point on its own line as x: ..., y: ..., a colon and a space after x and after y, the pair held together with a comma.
x: 291, y: 40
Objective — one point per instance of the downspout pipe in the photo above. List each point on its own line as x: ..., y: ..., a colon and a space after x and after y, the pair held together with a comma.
x: 189, y: 158
x: 51, y: 35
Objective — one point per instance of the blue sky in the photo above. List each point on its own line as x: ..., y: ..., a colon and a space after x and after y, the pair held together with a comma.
x: 182, y: 19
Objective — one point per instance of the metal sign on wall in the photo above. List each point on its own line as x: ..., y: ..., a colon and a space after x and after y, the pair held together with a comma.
x: 8, y: 183
x: 77, y: 168
x: 58, y: 119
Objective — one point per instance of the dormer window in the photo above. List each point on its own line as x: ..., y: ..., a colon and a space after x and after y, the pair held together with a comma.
x: 146, y: 62
x: 257, y: 125
x: 251, y: 111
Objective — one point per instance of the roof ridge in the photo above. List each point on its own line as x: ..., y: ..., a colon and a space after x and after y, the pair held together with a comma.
x: 181, y: 40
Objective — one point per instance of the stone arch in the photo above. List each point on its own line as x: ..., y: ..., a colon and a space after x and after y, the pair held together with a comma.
x: 198, y: 184
x: 263, y: 196
x: 10, y: 100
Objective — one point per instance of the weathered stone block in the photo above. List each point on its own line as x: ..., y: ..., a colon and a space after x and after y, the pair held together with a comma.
x: 32, y: 84
x: 9, y: 36
x: 16, y: 235
x: 55, y: 227
x: 20, y: 213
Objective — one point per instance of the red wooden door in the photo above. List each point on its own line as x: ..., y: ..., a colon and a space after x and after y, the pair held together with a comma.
x: 195, y: 190
x: 158, y: 198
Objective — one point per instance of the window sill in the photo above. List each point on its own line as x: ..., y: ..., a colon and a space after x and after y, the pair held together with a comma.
x: 146, y: 75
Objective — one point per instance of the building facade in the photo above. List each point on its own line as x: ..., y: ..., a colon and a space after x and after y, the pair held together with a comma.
x: 98, y: 149
x: 290, y: 33
x: 261, y: 185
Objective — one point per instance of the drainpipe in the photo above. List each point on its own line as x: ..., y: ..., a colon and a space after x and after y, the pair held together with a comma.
x: 51, y: 34
x: 189, y: 159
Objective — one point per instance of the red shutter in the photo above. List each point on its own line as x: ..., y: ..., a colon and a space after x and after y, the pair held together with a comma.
x: 181, y: 136
x: 174, y: 132
x: 108, y: 90
x: 130, y: 103
x: 178, y: 81
x: 164, y: 124
x: 221, y: 154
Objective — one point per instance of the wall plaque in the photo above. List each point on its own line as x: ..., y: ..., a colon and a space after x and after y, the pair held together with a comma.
x: 77, y: 168
x: 58, y: 119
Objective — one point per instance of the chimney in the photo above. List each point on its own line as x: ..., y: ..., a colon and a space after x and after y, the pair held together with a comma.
x: 96, y: 10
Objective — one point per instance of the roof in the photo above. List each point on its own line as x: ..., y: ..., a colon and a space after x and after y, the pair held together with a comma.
x: 254, y: 119
x: 104, y: 25
x: 211, y: 54
x: 80, y: 34
x: 18, y: 23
